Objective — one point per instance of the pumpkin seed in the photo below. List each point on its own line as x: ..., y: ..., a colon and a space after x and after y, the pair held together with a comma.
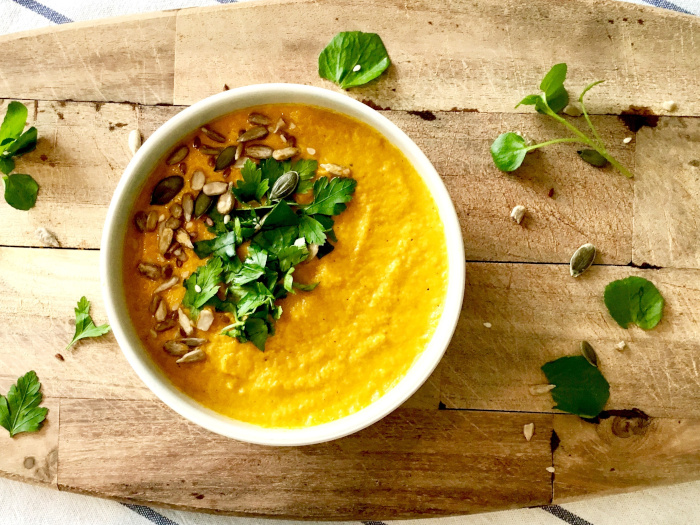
x: 205, y: 320
x: 166, y: 189
x: 176, y: 348
x: 588, y: 352
x: 165, y: 239
x: 183, y: 238
x: 284, y: 186
x: 285, y: 153
x: 582, y: 259
x: 152, y: 221
x: 187, y: 206
x: 198, y: 180
x: 185, y: 322
x: 202, y: 204
x: 213, y: 135
x: 193, y: 341
x: 240, y: 163
x: 225, y: 158
x: 192, y: 357
x: 214, y: 188
x: 207, y: 150
x: 161, y: 312
x: 335, y: 169
x: 259, y: 151
x: 225, y: 204
x: 178, y: 155
x: 140, y: 220
x: 150, y: 270
x: 173, y: 223
x: 256, y: 132
x: 134, y: 141
x: 165, y: 325
x: 257, y: 118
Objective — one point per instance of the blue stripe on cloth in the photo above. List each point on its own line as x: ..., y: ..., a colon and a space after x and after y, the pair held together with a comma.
x: 150, y: 514
x: 667, y: 5
x: 227, y: 1
x: 565, y: 515
x: 46, y: 12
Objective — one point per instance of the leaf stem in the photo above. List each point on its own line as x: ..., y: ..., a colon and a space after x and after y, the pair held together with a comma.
x: 590, y: 125
x: 554, y: 141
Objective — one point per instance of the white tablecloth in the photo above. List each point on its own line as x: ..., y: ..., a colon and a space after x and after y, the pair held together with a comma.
x: 22, y: 504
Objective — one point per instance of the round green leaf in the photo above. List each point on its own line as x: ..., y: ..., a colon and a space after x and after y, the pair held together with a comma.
x: 634, y: 300
x: 580, y: 387
x: 353, y: 58
x: 20, y: 191
x: 508, y: 151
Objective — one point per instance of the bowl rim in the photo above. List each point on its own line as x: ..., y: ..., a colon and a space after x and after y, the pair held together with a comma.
x: 118, y: 219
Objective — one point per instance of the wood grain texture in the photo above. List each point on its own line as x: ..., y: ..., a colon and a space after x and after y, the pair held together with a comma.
x: 539, y: 313
x: 666, y: 194
x: 451, y: 53
x: 414, y: 462
x: 119, y: 59
x: 623, y: 453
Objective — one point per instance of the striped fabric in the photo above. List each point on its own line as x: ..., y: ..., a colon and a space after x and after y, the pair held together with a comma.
x: 22, y: 504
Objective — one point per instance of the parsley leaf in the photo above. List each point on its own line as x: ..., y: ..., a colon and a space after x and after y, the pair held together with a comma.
x: 291, y: 256
x: 280, y: 215
x: 634, y: 300
x: 257, y: 331
x: 580, y: 388
x: 257, y: 294
x: 84, y: 325
x: 305, y: 287
x: 306, y: 168
x: 20, y: 191
x: 273, y: 241
x: 330, y: 195
x: 272, y: 170
x: 20, y: 410
x: 340, y: 59
x: 312, y: 230
x: 222, y: 246
x: 207, y: 277
x: 253, y: 186
x: 552, y: 86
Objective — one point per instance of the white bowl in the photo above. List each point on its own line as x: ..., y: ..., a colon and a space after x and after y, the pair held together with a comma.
x: 119, y: 218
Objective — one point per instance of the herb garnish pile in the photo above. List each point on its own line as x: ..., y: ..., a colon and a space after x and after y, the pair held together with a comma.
x: 282, y: 234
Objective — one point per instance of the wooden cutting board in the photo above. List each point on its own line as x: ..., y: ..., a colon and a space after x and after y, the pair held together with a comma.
x: 458, y: 68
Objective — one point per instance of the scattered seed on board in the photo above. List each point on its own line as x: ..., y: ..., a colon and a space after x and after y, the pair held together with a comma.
x: 528, y: 431
x: 488, y: 325
x: 192, y: 357
x: 582, y: 259
x: 670, y: 105
x: 572, y: 111
x: 47, y: 238
x: 518, y: 213
x: 589, y: 353
x: 627, y: 140
x: 550, y: 470
x: 134, y: 141
x: 538, y: 390
x: 621, y: 346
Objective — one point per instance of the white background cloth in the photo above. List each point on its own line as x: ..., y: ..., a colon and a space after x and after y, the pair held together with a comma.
x: 22, y: 504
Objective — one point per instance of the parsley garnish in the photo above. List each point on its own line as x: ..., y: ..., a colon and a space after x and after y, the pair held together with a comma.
x: 205, y: 279
x: 20, y: 410
x: 84, y: 325
x: 20, y: 189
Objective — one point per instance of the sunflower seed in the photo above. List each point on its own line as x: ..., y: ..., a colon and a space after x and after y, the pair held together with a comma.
x: 173, y: 223
x: 285, y: 153
x: 176, y: 211
x: 313, y: 250
x: 139, y: 220
x: 193, y: 356
x: 198, y: 180
x: 240, y: 163
x: 176, y: 348
x: 572, y: 111
x: 537, y: 390
x: 155, y: 302
x: 185, y: 322
x: 239, y: 151
x: 213, y: 135
x: 582, y: 259
x: 178, y: 155
x: 183, y: 238
x: 621, y: 346
x: 257, y: 118
x: 167, y: 285
x: 193, y: 341
x: 202, y: 204
x: 134, y: 141
x: 259, y: 151
x: 225, y: 158
x: 225, y: 204
x: 289, y: 139
x: 161, y: 312
x: 517, y: 214
x: 256, y: 132
x: 214, y: 188
x: 207, y: 150
x: 280, y: 124
x: 165, y: 325
x: 152, y: 221
x: 166, y: 189
x: 150, y: 270
x: 670, y: 105
x: 550, y: 470
x: 206, y: 318
x: 187, y: 206
x: 335, y: 169
x: 528, y: 431
x: 588, y: 352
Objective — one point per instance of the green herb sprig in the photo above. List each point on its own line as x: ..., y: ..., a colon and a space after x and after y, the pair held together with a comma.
x: 20, y: 189
x: 280, y: 232
x: 84, y: 325
x: 581, y: 388
x: 353, y: 58
x: 634, y: 300
x: 509, y: 149
x: 20, y: 410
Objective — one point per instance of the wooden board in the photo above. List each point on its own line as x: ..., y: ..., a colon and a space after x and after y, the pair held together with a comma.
x: 452, y: 90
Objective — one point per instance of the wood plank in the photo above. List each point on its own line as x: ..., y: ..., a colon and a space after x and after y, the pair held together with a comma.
x: 538, y: 313
x: 128, y: 58
x: 33, y: 457
x: 466, y: 57
x: 441, y: 462
x: 666, y: 193
x: 622, y: 454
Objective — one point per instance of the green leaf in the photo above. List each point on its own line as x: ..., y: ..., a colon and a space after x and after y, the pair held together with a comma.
x: 306, y: 168
x: 272, y: 170
x: 338, y: 61
x: 24, y: 144
x: 207, y: 277
x: 256, y: 331
x: 593, y: 158
x: 20, y: 191
x: 288, y: 280
x: 84, y: 325
x: 223, y: 246
x: 305, y: 287
x: 20, y: 410
x: 291, y: 256
x: 274, y: 241
x: 13, y: 124
x: 280, y: 215
x: 553, y: 87
x: 247, y: 273
x: 331, y: 195
x: 253, y: 186
x: 7, y: 165
x: 508, y: 151
x: 256, y: 296
x: 312, y: 230
x: 588, y: 88
x: 634, y: 300
x: 529, y: 100
x: 580, y: 388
